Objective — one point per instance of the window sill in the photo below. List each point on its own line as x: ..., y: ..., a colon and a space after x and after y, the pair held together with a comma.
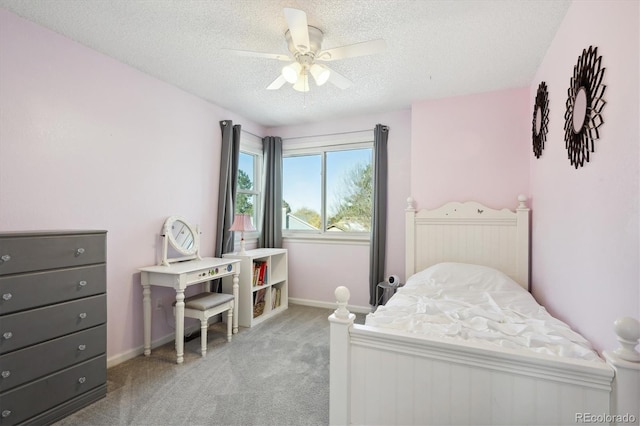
x: 351, y: 239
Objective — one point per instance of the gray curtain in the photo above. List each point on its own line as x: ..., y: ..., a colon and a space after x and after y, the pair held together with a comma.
x: 227, y: 192
x: 271, y: 235
x: 379, y: 211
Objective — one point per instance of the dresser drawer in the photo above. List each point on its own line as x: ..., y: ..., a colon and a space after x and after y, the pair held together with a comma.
x: 39, y: 252
x: 35, y: 289
x: 26, y: 401
x: 19, y: 367
x: 37, y: 325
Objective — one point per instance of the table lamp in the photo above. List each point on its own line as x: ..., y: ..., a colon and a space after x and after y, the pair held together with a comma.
x: 242, y: 223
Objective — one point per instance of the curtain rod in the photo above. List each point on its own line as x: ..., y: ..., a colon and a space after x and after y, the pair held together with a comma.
x: 313, y: 136
x: 330, y: 134
x: 252, y: 134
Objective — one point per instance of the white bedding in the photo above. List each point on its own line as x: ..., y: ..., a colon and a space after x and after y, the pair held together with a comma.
x: 478, y: 304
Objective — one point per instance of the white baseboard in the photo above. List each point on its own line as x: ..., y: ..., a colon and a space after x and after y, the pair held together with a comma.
x: 329, y: 305
x: 126, y: 356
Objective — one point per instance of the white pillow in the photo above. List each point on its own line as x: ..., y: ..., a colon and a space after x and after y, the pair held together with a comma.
x: 452, y: 274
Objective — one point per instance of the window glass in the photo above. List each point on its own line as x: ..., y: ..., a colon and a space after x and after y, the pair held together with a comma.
x: 349, y: 190
x: 246, y: 169
x: 302, y: 192
x: 329, y: 191
x: 246, y: 195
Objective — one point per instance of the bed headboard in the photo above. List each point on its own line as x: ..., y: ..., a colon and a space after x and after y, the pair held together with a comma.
x: 469, y: 233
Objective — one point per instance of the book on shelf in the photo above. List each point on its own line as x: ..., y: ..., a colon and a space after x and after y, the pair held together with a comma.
x: 259, y: 272
x: 259, y: 302
x: 263, y: 271
x: 260, y: 295
x: 275, y: 297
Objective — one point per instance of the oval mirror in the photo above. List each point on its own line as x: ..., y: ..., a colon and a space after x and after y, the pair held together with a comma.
x: 182, y: 236
x: 538, y: 120
x: 579, y: 110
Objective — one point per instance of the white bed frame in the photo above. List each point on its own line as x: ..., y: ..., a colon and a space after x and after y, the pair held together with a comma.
x: 386, y: 377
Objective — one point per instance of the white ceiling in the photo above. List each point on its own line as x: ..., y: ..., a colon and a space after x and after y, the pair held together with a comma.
x: 435, y: 48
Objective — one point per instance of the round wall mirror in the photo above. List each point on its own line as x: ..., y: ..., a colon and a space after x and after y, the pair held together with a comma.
x: 585, y: 103
x: 540, y: 119
x: 579, y: 110
x: 538, y: 124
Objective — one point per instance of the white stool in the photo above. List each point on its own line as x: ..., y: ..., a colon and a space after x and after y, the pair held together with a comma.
x: 205, y: 305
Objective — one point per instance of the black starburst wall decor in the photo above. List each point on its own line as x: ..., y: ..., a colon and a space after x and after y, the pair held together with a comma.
x: 584, y: 107
x: 539, y: 126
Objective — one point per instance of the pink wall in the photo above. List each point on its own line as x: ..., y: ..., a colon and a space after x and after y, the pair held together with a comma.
x: 87, y: 142
x: 316, y: 268
x: 471, y: 148
x: 585, y: 222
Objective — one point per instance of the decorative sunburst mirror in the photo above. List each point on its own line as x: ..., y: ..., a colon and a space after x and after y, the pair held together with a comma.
x: 584, y: 106
x: 540, y: 123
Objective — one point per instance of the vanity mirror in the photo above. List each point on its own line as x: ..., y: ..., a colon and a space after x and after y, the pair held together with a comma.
x: 183, y: 238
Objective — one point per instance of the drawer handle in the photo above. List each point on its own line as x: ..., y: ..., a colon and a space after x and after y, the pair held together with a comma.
x: 82, y: 283
x: 5, y: 258
x: 82, y: 315
x: 79, y: 251
x: 82, y: 347
x: 7, y: 296
x: 6, y: 413
x: 81, y: 380
x: 5, y: 374
x: 7, y: 335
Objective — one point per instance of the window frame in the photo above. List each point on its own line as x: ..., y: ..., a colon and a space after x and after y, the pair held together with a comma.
x: 321, y: 145
x: 252, y: 145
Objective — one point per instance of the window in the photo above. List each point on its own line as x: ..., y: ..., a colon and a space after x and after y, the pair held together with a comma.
x: 328, y: 189
x: 248, y: 184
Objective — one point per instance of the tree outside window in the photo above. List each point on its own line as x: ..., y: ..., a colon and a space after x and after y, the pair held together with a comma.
x: 247, y: 194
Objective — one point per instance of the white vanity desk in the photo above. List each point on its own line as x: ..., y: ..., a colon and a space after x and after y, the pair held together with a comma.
x: 181, y: 273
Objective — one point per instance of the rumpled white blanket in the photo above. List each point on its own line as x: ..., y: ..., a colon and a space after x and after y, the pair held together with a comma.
x: 478, y: 304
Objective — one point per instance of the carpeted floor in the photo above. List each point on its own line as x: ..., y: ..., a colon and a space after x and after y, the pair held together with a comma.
x: 276, y: 373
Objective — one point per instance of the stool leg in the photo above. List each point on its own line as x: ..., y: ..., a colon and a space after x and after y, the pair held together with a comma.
x: 229, y: 323
x: 204, y: 324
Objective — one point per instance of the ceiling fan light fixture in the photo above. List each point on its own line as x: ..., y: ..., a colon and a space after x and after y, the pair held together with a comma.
x: 291, y: 72
x: 302, y: 85
x: 320, y: 74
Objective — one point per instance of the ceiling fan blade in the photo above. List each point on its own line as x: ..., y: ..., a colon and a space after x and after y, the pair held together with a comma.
x: 251, y: 54
x: 297, y: 23
x: 352, y: 50
x: 339, y: 80
x: 277, y: 83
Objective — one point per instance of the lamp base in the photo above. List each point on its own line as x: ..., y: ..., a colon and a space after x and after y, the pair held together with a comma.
x: 242, y: 251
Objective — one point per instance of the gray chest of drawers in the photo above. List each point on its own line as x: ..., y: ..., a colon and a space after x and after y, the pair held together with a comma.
x: 53, y: 322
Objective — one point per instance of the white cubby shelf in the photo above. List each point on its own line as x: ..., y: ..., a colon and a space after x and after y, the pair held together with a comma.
x: 261, y: 295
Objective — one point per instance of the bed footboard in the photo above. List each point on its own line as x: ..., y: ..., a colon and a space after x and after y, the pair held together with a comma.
x: 384, y: 377
x: 339, y: 359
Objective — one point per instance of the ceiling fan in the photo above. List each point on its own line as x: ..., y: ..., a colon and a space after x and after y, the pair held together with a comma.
x: 305, y: 47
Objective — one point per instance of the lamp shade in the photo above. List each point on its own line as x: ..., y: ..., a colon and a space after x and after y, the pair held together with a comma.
x: 291, y: 72
x: 302, y: 85
x: 242, y: 223
x: 320, y: 74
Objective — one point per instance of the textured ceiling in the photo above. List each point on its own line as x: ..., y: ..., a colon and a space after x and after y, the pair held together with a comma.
x: 435, y: 48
